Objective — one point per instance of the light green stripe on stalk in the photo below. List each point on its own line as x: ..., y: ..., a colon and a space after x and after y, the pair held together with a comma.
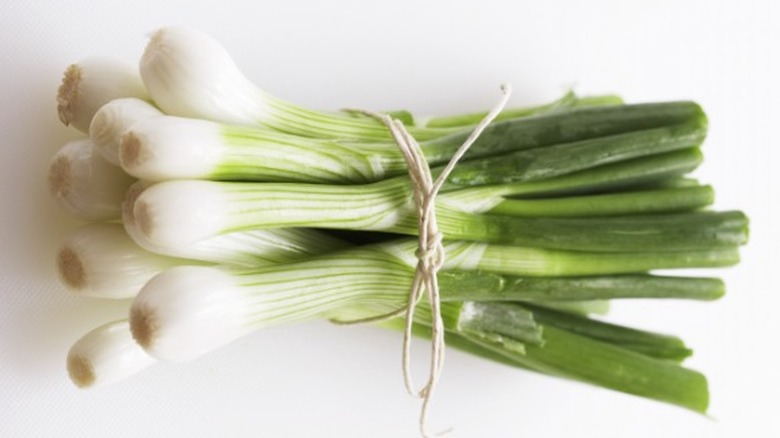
x: 320, y: 286
x: 296, y: 120
x: 634, y: 202
x: 582, y: 308
x: 536, y: 262
x: 251, y: 151
x: 376, y: 206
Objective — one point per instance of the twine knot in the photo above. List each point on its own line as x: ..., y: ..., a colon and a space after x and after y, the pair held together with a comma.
x: 431, y: 256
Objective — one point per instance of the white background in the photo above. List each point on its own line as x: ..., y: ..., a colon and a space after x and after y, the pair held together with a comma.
x: 432, y: 58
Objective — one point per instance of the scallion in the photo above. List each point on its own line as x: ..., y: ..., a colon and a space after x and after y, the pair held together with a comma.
x: 230, y: 303
x: 175, y: 213
x: 162, y: 148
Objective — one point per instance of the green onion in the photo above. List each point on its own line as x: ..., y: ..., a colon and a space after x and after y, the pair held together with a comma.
x: 189, y: 311
x: 90, y: 84
x: 87, y: 261
x: 87, y: 264
x: 174, y: 213
x: 211, y: 307
x: 84, y: 184
x: 161, y: 148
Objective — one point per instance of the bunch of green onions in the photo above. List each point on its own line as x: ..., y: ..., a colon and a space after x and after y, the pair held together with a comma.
x: 219, y: 209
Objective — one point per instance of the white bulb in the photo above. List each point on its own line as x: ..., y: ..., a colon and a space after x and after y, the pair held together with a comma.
x: 246, y: 248
x: 189, y: 74
x: 170, y: 147
x: 106, y: 355
x: 92, y: 83
x: 100, y: 260
x: 113, y: 119
x: 188, y: 311
x: 174, y: 214
x: 86, y: 185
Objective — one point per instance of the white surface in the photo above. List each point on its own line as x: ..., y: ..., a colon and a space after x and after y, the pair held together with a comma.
x: 430, y: 57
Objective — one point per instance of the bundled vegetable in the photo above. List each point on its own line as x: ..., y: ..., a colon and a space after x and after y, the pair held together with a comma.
x: 250, y: 211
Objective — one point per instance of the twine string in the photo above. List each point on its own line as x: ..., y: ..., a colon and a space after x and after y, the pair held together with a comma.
x: 430, y: 252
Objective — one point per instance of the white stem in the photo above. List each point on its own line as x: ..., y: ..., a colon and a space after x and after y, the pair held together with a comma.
x: 249, y: 248
x: 183, y: 212
x: 188, y: 311
x: 170, y: 147
x: 106, y: 355
x: 86, y: 185
x: 92, y: 83
x: 113, y: 119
